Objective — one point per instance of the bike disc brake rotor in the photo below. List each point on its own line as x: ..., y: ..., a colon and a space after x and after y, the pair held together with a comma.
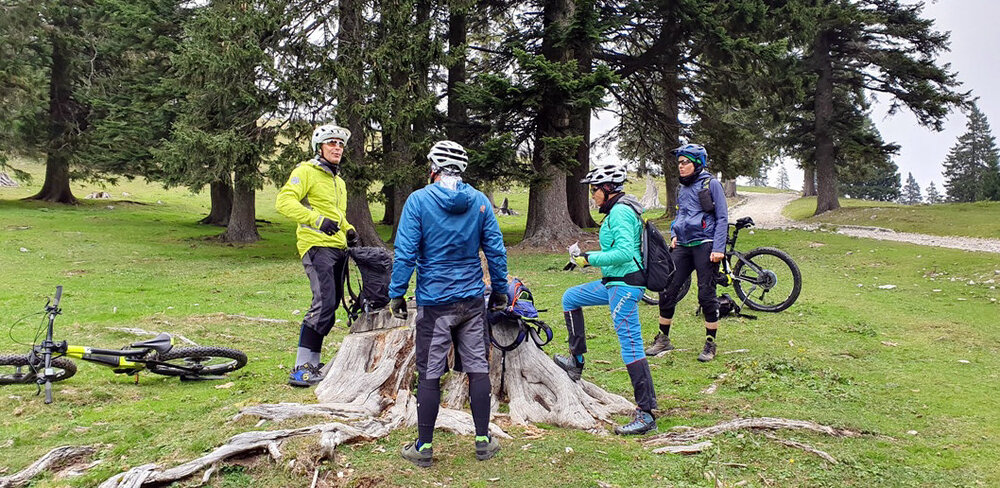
x: 767, y: 279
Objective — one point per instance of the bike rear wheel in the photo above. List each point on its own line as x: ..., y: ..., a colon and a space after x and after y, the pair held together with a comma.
x: 20, y: 369
x: 198, y: 361
x: 653, y: 298
x: 774, y: 287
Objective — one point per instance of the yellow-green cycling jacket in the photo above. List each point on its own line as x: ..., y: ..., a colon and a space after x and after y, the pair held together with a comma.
x: 311, y: 193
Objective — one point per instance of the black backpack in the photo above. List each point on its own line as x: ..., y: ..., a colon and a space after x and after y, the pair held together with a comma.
x: 657, y: 266
x: 375, y: 265
x: 728, y: 306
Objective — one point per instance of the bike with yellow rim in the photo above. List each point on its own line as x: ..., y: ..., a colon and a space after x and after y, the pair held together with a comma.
x: 49, y: 360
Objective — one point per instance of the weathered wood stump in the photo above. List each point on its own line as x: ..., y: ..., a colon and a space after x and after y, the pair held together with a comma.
x: 366, y: 391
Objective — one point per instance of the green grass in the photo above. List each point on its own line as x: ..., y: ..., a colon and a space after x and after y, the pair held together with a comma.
x: 979, y: 219
x: 830, y: 359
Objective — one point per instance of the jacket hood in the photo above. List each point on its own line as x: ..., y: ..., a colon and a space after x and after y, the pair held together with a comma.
x: 631, y: 201
x: 455, y: 201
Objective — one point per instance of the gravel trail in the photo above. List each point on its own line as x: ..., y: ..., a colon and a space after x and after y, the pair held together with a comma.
x: 765, y: 208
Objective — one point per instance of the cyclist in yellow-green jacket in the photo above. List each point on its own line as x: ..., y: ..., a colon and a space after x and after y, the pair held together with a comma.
x: 315, y: 197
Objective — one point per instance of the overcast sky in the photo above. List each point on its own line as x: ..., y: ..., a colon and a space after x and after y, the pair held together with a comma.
x: 974, y: 55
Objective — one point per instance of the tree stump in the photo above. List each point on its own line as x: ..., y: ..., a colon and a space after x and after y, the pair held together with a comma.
x: 651, y: 199
x: 537, y: 390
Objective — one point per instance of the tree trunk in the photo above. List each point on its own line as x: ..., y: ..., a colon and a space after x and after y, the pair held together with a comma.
x: 577, y: 195
x: 729, y: 186
x: 549, y: 223
x: 222, y: 202
x: 826, y: 171
x: 349, y: 94
x: 458, y: 114
x: 388, y: 193
x: 63, y: 114
x: 671, y: 136
x: 242, y: 220
x: 809, y: 182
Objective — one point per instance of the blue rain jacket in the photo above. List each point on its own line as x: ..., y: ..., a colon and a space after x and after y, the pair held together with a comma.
x: 440, y: 233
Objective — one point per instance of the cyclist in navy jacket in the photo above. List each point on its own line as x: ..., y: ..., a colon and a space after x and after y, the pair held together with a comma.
x: 698, y: 239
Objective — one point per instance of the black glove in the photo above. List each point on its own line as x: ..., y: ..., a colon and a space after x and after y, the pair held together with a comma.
x: 328, y: 227
x: 352, y: 238
x: 398, y: 307
x: 498, y: 301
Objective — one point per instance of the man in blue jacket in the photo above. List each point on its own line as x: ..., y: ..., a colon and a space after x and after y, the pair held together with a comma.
x: 441, y: 230
x: 698, y: 239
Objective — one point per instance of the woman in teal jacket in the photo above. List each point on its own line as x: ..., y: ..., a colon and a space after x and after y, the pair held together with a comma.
x: 620, y: 289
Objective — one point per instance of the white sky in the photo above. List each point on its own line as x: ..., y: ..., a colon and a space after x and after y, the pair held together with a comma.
x: 974, y: 55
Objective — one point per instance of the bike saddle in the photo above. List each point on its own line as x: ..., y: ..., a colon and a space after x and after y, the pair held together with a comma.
x: 161, y: 343
x: 744, y: 223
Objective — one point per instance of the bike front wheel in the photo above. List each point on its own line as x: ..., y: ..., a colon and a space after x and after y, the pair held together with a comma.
x: 21, y: 368
x: 653, y: 298
x: 198, y: 361
x: 767, y: 279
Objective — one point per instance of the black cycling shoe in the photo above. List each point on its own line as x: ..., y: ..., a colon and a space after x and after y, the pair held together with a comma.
x: 642, y: 423
x: 487, y: 449
x: 708, y: 353
x: 420, y: 457
x: 568, y: 363
x: 304, y: 376
x: 661, y: 343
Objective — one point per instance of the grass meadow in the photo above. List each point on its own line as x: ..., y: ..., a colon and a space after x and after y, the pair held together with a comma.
x: 978, y: 219
x: 914, y: 367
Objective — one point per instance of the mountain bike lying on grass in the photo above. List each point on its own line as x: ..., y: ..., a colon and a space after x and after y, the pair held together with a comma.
x: 49, y: 361
x: 765, y: 279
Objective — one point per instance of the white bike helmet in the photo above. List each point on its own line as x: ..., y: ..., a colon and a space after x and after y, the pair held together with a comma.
x: 327, y: 133
x: 608, y: 173
x: 448, y: 155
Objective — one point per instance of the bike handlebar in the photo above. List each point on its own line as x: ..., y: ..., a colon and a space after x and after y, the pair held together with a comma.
x: 58, y: 295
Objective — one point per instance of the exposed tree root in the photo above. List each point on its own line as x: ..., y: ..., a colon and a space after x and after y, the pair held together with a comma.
x: 680, y: 442
x: 684, y: 449
x: 55, y: 458
x: 804, y: 447
x: 762, y: 423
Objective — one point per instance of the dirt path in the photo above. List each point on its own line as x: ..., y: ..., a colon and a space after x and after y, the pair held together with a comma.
x: 765, y: 208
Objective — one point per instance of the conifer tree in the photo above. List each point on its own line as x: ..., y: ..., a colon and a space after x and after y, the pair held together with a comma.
x: 879, y: 46
x: 783, y: 178
x: 933, y: 196
x: 970, y: 169
x: 911, y: 192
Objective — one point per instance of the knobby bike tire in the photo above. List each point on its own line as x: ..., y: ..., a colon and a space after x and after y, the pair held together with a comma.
x: 10, y: 363
x: 781, y: 286
x: 653, y: 298
x: 207, y: 360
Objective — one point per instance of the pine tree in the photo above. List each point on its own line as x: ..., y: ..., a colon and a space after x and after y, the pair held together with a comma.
x: 783, y: 178
x: 932, y: 194
x: 911, y: 192
x: 866, y: 46
x: 971, y: 168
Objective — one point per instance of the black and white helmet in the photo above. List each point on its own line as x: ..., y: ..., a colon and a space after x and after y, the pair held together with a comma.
x: 327, y: 133
x: 448, y: 155
x: 608, y: 173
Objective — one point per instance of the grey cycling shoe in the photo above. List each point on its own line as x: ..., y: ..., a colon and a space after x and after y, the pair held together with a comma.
x: 487, y: 449
x: 568, y: 363
x: 420, y: 457
x: 642, y: 423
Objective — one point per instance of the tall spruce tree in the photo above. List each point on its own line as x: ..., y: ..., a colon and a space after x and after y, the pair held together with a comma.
x: 911, y: 192
x: 879, y: 46
x: 783, y: 182
x: 970, y: 170
x: 235, y: 67
x: 700, y: 60
x: 933, y: 196
x: 52, y: 48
